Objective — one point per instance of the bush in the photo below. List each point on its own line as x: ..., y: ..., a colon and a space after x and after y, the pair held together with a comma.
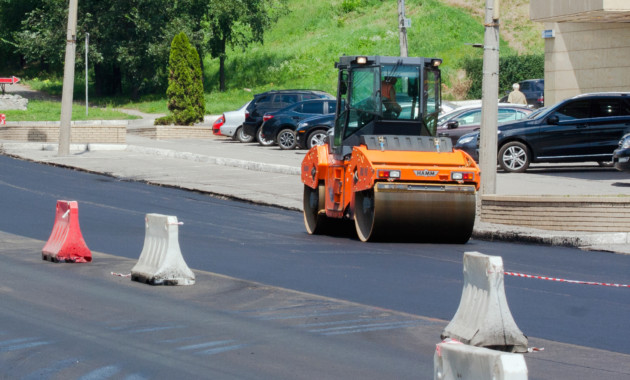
x: 185, y: 94
x: 512, y: 69
x: 164, y: 120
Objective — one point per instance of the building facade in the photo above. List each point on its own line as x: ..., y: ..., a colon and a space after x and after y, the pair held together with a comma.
x: 587, y: 46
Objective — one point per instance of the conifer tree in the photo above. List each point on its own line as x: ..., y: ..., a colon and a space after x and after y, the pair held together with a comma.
x: 185, y: 84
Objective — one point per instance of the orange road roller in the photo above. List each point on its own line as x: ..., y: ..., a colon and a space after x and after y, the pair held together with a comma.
x: 383, y: 165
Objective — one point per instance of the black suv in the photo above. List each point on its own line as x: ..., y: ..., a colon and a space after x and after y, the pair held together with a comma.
x: 580, y: 129
x: 280, y: 126
x: 273, y: 101
x: 534, y: 90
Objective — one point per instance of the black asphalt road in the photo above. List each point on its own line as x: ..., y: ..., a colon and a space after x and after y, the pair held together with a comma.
x: 270, y: 246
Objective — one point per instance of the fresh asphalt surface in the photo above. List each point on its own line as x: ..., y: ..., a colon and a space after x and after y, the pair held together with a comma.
x: 270, y: 246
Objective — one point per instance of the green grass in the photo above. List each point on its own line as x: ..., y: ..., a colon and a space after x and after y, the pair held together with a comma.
x: 39, y: 110
x: 300, y: 50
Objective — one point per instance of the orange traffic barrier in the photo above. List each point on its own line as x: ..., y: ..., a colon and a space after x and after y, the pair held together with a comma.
x: 66, y: 243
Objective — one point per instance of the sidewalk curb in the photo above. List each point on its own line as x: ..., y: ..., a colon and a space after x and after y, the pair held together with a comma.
x: 54, y: 147
x: 241, y: 164
x: 489, y: 232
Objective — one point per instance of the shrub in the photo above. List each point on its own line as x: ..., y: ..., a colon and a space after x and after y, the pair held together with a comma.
x: 512, y: 69
x: 185, y: 94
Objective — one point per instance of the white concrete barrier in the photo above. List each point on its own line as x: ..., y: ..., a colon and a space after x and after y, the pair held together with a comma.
x: 456, y: 361
x: 161, y: 261
x: 483, y: 317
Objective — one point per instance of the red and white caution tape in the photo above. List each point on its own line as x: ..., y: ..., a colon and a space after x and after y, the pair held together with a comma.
x: 568, y: 281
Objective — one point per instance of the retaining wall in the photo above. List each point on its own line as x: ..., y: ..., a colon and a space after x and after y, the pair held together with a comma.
x: 89, y: 131
x: 171, y: 132
x: 569, y: 213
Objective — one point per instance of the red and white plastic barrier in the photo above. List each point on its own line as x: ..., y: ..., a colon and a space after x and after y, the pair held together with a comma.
x: 66, y: 243
x: 161, y: 261
x: 567, y: 281
x: 483, y: 318
x: 3, y: 119
x: 454, y: 361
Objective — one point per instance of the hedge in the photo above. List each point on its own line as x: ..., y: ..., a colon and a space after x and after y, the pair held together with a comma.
x: 512, y: 69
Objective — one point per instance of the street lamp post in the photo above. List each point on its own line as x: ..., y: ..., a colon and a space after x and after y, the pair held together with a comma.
x: 87, y: 44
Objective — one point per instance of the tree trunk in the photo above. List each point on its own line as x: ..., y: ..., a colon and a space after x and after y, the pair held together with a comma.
x: 222, y: 67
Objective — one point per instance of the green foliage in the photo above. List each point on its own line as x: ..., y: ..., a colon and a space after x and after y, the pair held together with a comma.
x: 350, y: 5
x: 12, y: 13
x: 130, y: 43
x: 512, y: 69
x: 129, y: 39
x: 237, y: 24
x: 39, y: 110
x: 165, y: 120
x: 185, y: 86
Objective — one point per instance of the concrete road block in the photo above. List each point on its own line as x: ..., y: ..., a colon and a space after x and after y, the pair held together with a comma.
x: 455, y: 361
x: 483, y: 317
x: 66, y: 243
x: 161, y: 261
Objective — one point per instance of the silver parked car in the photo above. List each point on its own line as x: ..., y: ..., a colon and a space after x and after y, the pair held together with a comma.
x: 230, y: 124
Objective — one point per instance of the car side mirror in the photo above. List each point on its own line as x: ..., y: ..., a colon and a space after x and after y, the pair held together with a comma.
x: 452, y: 124
x: 553, y: 120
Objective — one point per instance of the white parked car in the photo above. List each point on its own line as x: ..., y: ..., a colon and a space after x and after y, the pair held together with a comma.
x: 230, y: 123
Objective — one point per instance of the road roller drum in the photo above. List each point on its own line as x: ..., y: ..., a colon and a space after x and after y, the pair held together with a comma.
x: 427, y: 213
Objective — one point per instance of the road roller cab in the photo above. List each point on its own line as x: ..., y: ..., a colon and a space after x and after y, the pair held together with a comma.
x: 383, y: 166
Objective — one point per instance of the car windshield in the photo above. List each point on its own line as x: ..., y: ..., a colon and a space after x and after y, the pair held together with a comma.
x: 541, y: 112
x: 448, y: 116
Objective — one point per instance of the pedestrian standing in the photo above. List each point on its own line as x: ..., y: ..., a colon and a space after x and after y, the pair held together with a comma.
x: 516, y: 96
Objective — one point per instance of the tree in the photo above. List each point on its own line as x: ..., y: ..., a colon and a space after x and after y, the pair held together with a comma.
x: 238, y: 23
x: 12, y: 13
x: 129, y: 39
x: 185, y: 84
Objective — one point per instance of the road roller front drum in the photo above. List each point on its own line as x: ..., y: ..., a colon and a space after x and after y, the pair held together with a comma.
x: 427, y: 213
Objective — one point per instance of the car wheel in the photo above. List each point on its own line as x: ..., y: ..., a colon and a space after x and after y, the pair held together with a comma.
x: 286, y: 139
x: 242, y: 136
x: 263, y: 141
x: 514, y: 157
x: 315, y: 138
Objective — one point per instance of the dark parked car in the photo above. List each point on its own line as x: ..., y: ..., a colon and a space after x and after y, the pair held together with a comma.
x: 313, y: 131
x: 272, y: 101
x: 468, y: 119
x: 279, y: 126
x: 621, y: 156
x: 534, y: 90
x: 580, y: 129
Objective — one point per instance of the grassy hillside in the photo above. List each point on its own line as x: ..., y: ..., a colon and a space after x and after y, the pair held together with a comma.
x: 300, y: 50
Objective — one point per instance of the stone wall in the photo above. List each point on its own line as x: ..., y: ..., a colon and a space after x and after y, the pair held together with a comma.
x: 171, y: 132
x: 594, y: 214
x: 90, y: 131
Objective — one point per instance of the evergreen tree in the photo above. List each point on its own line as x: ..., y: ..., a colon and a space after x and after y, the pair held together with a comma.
x: 185, y: 84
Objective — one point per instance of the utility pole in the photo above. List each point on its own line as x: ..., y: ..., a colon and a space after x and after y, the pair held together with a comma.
x: 68, y: 81
x: 489, y: 108
x: 87, y: 44
x: 402, y: 28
